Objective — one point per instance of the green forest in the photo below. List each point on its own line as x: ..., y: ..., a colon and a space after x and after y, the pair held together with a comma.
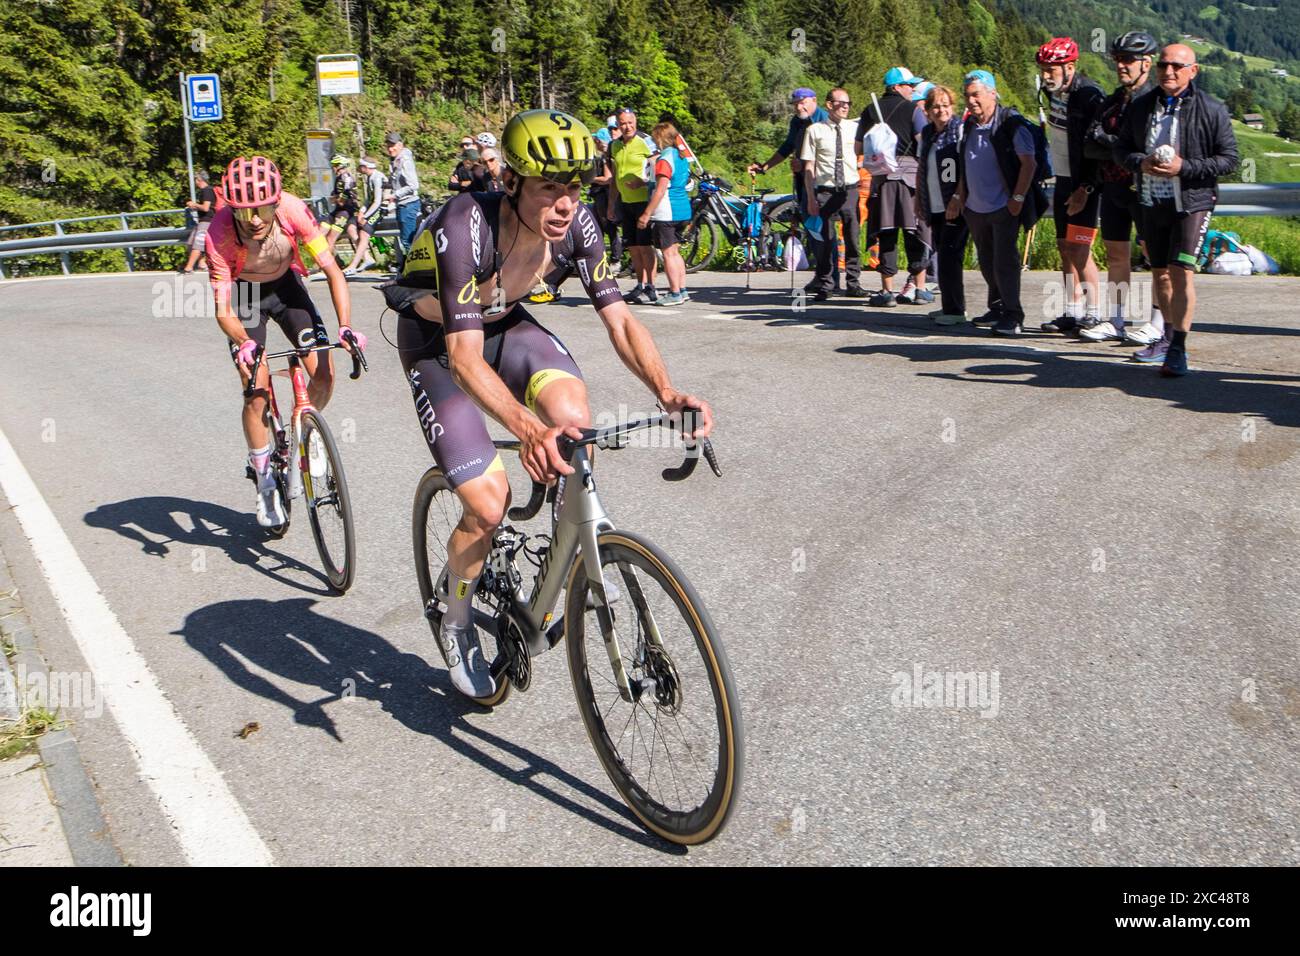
x: 90, y: 117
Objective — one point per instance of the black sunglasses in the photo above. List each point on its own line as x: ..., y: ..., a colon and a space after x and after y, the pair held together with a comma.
x: 1167, y: 64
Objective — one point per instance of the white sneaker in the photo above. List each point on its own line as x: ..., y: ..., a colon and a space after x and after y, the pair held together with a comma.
x: 316, y: 455
x: 908, y: 295
x: 1142, y: 335
x: 1102, y: 332
x: 270, y: 509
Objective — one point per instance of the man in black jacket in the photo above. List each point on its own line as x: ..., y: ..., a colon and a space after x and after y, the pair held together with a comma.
x: 1072, y: 104
x: 1177, y: 141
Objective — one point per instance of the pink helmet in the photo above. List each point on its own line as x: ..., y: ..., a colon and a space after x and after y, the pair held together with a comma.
x: 251, y: 182
x: 1058, y: 50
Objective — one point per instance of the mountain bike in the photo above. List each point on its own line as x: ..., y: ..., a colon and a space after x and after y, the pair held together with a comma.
x: 649, y: 672
x: 329, y: 508
x: 759, y: 225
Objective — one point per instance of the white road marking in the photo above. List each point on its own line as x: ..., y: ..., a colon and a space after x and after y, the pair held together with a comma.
x: 209, y: 823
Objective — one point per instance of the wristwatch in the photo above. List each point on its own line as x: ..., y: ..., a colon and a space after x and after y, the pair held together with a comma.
x: 1018, y: 197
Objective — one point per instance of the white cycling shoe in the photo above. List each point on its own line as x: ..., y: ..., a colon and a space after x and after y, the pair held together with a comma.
x: 470, y: 673
x: 1142, y: 335
x: 270, y: 509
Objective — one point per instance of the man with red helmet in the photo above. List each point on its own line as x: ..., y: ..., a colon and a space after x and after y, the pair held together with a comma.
x: 1073, y: 101
x: 252, y: 249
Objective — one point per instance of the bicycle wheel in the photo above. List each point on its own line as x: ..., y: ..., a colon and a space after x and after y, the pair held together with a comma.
x: 435, y: 513
x: 328, y: 506
x: 699, y: 243
x: 676, y: 755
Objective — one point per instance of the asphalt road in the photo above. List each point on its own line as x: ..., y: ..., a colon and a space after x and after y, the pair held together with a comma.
x: 1112, y: 552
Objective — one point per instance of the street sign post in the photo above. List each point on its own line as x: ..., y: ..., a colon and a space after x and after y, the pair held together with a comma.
x: 200, y: 103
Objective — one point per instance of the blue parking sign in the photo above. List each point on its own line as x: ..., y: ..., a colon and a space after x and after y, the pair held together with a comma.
x: 204, y: 95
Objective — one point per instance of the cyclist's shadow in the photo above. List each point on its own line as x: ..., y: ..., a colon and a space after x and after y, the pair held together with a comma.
x: 154, y: 523
x: 289, y: 639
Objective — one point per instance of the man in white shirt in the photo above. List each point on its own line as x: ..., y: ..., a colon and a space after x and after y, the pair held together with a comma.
x: 831, y: 177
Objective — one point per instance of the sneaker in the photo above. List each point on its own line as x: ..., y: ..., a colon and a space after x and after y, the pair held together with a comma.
x: 470, y: 673
x: 1153, y: 354
x: 349, y: 273
x: 1087, y: 322
x: 316, y: 462
x: 685, y: 296
x: 672, y: 298
x: 1102, y: 332
x: 1175, y: 362
x: 635, y: 295
x: 923, y: 297
x: 949, y: 318
x: 908, y: 295
x: 821, y: 295
x: 857, y: 293
x: 988, y: 318
x: 541, y: 298
x: 1063, y: 324
x: 1007, y: 325
x: 882, y: 300
x: 1142, y: 334
x: 270, y: 509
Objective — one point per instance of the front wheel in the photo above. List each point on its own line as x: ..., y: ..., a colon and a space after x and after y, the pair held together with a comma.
x: 328, y: 504
x: 676, y: 752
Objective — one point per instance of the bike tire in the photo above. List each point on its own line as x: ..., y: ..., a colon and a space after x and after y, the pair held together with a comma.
x: 435, y: 512
x: 699, y: 243
x: 335, y: 503
x: 782, y: 222
x: 637, y: 560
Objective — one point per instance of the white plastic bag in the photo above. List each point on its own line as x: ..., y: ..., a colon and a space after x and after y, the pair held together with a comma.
x: 1231, y: 264
x: 793, y: 255
x: 1261, y: 261
x: 880, y: 146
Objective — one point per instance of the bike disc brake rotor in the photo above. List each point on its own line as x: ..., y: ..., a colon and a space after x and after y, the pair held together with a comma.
x: 668, y: 686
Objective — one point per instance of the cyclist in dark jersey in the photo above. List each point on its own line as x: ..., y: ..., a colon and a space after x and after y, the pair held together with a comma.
x: 467, y: 344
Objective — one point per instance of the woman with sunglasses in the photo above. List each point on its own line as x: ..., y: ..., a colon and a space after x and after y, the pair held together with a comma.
x: 256, y: 274
x: 468, y: 346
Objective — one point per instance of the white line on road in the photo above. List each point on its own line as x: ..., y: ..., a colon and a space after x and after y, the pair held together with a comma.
x: 210, y: 825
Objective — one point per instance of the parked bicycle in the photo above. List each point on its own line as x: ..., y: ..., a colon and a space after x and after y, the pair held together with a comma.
x: 760, y: 225
x: 650, y: 675
x: 325, y: 492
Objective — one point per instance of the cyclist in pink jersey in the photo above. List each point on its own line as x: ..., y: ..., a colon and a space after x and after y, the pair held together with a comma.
x: 256, y: 272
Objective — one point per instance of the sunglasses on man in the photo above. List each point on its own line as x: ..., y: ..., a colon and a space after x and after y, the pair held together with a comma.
x: 1171, y: 65
x: 264, y: 213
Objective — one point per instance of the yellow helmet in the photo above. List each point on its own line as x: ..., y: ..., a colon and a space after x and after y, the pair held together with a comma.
x: 546, y: 143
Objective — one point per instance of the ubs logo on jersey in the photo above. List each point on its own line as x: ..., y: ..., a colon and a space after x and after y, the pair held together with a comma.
x: 468, y: 292
x: 475, y: 223
x: 590, y: 233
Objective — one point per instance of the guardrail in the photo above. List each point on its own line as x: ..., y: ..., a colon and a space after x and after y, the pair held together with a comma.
x: 1235, y: 199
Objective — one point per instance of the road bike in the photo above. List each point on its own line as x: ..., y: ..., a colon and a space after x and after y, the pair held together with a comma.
x: 649, y: 672
x: 329, y: 508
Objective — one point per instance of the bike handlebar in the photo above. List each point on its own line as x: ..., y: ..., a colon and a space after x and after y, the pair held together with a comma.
x: 615, y: 437
x: 359, y: 363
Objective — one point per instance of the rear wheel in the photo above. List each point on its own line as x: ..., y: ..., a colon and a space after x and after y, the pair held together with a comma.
x: 699, y: 243
x: 435, y: 514
x: 780, y: 225
x: 676, y: 752
x: 329, y: 507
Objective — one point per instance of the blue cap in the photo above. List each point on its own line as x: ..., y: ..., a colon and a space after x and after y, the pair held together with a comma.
x: 981, y: 76
x: 922, y: 90
x: 901, y: 74
x: 601, y: 134
x: 802, y: 93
